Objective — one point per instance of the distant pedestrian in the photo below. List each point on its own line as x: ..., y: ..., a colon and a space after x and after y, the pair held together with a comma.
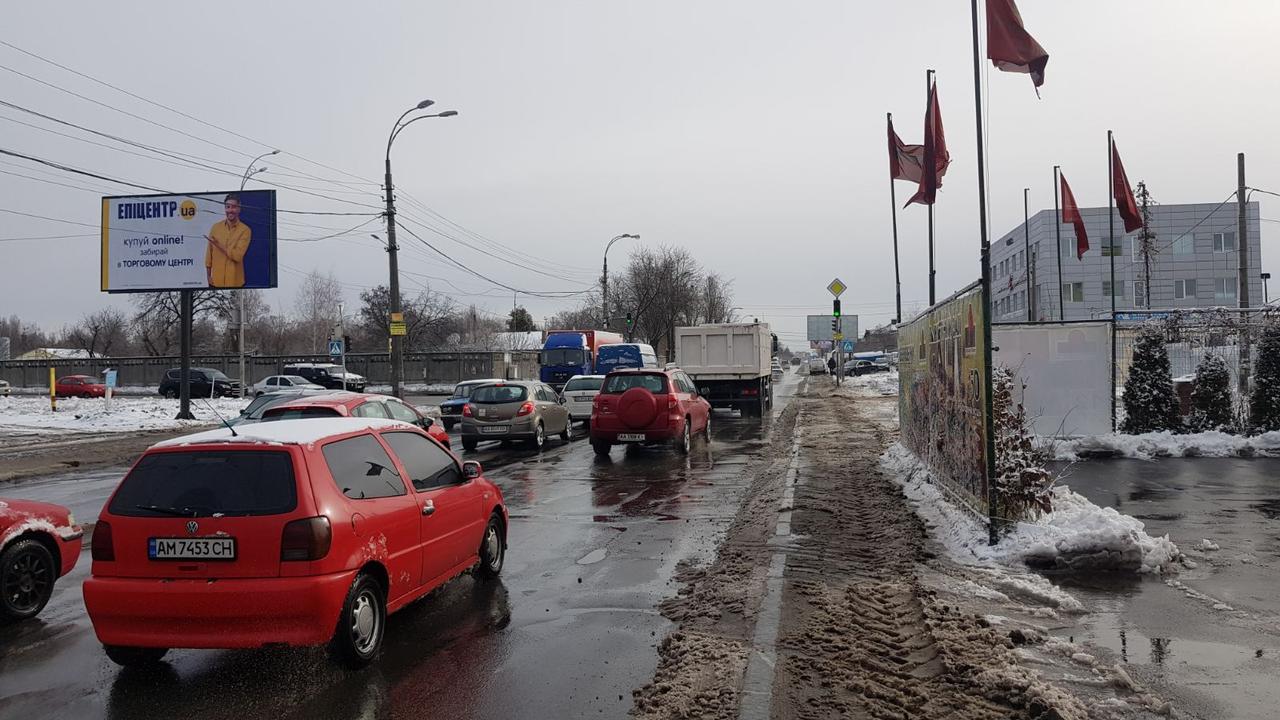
x: 831, y: 364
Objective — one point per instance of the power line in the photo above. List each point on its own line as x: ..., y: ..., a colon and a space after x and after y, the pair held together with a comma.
x: 496, y: 257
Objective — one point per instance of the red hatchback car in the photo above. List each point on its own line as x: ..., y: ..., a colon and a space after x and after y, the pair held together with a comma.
x: 352, y: 404
x: 292, y: 532
x: 39, y: 543
x: 648, y: 406
x: 79, y: 386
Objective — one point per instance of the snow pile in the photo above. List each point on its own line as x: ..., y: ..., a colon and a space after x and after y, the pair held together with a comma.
x: 882, y: 383
x: 1077, y: 535
x: 126, y: 414
x: 1167, y: 444
x: 414, y: 389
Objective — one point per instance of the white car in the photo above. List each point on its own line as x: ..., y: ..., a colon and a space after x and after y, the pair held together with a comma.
x: 579, y: 393
x: 817, y: 366
x: 4, y: 388
x: 776, y: 370
x: 277, y: 383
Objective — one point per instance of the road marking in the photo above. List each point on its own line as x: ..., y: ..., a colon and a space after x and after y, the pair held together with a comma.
x: 757, y: 682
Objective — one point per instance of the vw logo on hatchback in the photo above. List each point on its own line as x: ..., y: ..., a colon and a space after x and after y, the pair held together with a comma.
x: 192, y: 527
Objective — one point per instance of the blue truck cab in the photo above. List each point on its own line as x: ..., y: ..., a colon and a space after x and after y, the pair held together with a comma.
x: 566, y: 353
x: 625, y: 355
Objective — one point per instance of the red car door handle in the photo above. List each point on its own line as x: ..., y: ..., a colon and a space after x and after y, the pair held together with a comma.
x: 429, y: 508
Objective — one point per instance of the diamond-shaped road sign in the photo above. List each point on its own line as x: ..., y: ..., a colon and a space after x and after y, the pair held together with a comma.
x: 836, y: 287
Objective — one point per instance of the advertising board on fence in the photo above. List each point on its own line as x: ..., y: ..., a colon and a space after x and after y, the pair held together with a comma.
x: 1066, y: 368
x: 189, y: 242
x: 942, y: 378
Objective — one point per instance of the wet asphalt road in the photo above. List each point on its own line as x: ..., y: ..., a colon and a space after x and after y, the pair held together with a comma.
x: 568, y: 631
x: 1216, y: 662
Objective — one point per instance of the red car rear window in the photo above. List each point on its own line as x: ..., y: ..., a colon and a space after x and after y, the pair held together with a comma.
x: 304, y: 413
x: 204, y: 482
x: 654, y: 383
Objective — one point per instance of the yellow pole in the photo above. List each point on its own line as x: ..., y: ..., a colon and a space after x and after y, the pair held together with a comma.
x: 53, y: 392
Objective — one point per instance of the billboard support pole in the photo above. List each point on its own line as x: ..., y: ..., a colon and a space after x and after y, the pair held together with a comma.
x: 184, y: 381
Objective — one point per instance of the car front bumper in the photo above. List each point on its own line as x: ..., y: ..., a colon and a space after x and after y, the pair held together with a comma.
x: 215, y: 612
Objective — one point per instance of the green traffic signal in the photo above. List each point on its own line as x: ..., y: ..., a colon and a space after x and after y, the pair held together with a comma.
x: 835, y: 307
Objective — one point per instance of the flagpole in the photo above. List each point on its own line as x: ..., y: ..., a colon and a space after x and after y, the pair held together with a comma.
x: 1057, y: 236
x: 988, y: 421
x: 1026, y: 256
x: 893, y: 208
x: 928, y: 98
x: 1111, y: 242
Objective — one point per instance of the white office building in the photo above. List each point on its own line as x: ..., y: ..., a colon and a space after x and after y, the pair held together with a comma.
x: 1195, y: 264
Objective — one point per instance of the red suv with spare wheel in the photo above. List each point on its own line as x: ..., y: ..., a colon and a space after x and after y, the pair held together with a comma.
x: 647, y: 406
x: 295, y: 532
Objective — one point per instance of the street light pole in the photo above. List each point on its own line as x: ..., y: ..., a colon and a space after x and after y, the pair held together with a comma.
x: 248, y: 173
x: 397, y: 341
x: 604, y: 279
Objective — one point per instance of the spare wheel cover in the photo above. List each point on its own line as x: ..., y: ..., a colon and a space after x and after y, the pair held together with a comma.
x: 637, y: 408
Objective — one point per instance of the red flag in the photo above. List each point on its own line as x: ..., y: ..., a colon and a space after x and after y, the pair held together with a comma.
x: 1071, y: 214
x: 935, y: 156
x: 1009, y: 46
x: 1125, y: 203
x: 904, y: 160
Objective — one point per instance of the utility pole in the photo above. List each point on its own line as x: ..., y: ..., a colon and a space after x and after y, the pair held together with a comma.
x: 1242, y: 253
x: 1146, y: 244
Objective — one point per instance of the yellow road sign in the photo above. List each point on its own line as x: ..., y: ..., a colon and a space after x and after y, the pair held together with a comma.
x: 837, y: 336
x: 836, y: 287
x: 397, y: 328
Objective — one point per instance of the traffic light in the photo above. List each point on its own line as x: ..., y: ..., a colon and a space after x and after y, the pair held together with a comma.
x: 630, y: 321
x: 835, y: 325
x: 835, y: 308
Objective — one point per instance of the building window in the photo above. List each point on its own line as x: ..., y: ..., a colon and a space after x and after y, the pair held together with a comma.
x: 1184, y: 244
x: 1224, y: 289
x: 1116, y: 247
x: 1139, y: 293
x: 1106, y: 288
x: 1224, y: 242
x: 1073, y: 292
x: 1184, y: 289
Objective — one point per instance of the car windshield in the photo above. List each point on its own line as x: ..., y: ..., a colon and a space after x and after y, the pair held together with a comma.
x: 562, y: 356
x: 496, y: 394
x: 584, y: 383
x: 215, y: 374
x: 622, y: 383
x: 300, y: 413
x: 297, y: 379
x: 202, y: 483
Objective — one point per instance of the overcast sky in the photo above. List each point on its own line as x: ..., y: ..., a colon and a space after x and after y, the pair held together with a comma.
x: 749, y: 132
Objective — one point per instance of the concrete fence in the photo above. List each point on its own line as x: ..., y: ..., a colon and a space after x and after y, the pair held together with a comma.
x: 421, y: 367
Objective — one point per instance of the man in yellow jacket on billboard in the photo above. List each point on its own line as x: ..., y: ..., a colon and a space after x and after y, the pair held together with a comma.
x: 228, y: 242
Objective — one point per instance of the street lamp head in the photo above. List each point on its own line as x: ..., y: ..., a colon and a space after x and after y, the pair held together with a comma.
x: 274, y: 152
x: 426, y: 104
x: 447, y: 113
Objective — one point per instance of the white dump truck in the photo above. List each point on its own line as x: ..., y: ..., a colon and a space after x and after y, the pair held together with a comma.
x: 730, y: 363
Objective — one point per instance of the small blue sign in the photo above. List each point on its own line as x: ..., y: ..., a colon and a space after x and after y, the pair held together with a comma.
x: 848, y: 346
x: 111, y: 378
x: 335, y: 348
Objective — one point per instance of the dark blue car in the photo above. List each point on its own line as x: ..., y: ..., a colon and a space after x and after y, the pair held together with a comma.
x: 451, y: 409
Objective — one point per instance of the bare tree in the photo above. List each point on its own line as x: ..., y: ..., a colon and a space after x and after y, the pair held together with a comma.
x: 429, y: 318
x: 158, y: 318
x: 99, y: 332
x: 316, y: 306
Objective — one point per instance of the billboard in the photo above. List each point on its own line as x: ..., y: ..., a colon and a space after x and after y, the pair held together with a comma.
x: 940, y: 398
x: 819, y: 327
x: 222, y: 240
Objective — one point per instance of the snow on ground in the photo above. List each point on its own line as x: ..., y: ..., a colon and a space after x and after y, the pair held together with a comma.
x: 126, y: 414
x: 1077, y: 535
x: 882, y: 383
x: 1167, y: 444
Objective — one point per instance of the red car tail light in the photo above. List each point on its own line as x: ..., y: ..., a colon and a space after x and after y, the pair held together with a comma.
x: 466, y: 410
x: 672, y: 402
x: 306, y: 539
x: 101, y: 546
x: 751, y: 392
x: 525, y: 409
